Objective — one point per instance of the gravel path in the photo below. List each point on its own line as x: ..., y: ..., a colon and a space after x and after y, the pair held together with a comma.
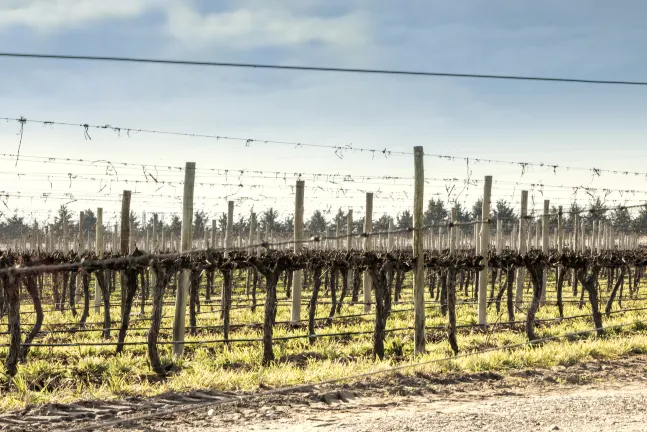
x: 599, y: 395
x: 588, y: 410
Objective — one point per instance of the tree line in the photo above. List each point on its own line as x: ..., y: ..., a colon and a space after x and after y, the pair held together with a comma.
x: 437, y: 212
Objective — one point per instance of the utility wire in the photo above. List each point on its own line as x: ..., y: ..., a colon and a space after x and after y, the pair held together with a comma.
x: 318, y: 68
x: 340, y: 150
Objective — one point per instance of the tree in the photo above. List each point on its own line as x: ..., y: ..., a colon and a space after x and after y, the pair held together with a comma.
x: 89, y: 220
x: 461, y: 213
x: 552, y: 220
x: 222, y: 222
x: 436, y: 212
x: 341, y: 217
x: 269, y: 220
x: 317, y: 223
x: 505, y: 213
x: 382, y: 224
x: 597, y: 209
x: 640, y: 222
x: 621, y: 219
x: 358, y: 225
x: 63, y: 214
x: 14, y: 227
x: 477, y: 209
x: 574, y: 210
x: 241, y: 226
x: 287, y: 226
x: 151, y: 222
x: 404, y: 220
x: 199, y: 224
x: 134, y: 223
x: 175, y: 226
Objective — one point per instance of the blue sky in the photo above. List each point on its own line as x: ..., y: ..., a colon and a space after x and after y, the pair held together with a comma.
x: 579, y: 125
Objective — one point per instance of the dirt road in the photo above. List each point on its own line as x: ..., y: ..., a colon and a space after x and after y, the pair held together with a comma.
x: 590, y: 397
x: 564, y: 410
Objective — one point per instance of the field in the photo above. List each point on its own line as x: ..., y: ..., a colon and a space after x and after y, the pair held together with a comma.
x: 67, y: 361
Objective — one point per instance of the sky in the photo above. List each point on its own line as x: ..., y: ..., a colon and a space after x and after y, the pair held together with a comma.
x: 576, y: 125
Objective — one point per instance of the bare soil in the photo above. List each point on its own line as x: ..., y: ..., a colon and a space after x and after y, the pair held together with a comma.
x: 592, y: 396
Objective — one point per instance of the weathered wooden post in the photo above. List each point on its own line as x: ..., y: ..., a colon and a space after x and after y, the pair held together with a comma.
x: 418, y: 254
x: 499, y: 235
x: 368, y: 227
x: 185, y: 246
x: 298, y: 236
x: 250, y: 249
x: 576, y: 233
x: 338, y: 233
x: 214, y: 231
x: 50, y: 238
x: 523, y: 243
x: 229, y: 244
x: 485, y: 242
x: 100, y: 249
x: 349, y: 229
x: 545, y: 246
x: 125, y: 240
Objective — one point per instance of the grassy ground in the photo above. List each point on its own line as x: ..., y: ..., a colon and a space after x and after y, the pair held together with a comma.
x: 66, y: 374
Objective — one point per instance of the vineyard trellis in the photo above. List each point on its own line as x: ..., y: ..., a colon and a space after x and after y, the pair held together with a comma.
x: 385, y: 269
x: 445, y: 266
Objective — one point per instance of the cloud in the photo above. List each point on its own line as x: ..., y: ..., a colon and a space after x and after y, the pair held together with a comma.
x: 50, y: 15
x: 265, y: 25
x: 245, y: 25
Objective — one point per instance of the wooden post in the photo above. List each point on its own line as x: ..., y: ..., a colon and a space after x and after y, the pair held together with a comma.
x: 229, y: 233
x: 499, y: 235
x: 229, y: 244
x: 125, y: 223
x: 576, y: 233
x: 560, y: 229
x: 114, y: 239
x: 349, y: 229
x: 250, y: 249
x: 36, y: 245
x: 155, y: 245
x: 100, y: 249
x: 390, y: 237
x: 81, y: 244
x: 524, y: 223
x: 298, y: 236
x: 214, y: 231
x: 485, y: 241
x: 368, y: 227
x: 185, y: 246
x: 545, y: 246
x: 453, y: 231
x: 418, y: 254
x: 338, y: 233
x: 125, y: 240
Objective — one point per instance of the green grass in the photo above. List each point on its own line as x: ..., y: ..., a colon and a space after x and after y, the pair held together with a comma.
x: 72, y: 373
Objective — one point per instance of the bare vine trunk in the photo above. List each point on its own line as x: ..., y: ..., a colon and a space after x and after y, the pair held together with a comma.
x: 312, y: 305
x: 38, y: 307
x: 130, y: 276
x: 590, y: 285
x: 162, y: 278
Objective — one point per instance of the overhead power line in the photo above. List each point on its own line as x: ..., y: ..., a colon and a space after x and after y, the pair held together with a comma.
x: 339, y: 150
x: 317, y: 68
